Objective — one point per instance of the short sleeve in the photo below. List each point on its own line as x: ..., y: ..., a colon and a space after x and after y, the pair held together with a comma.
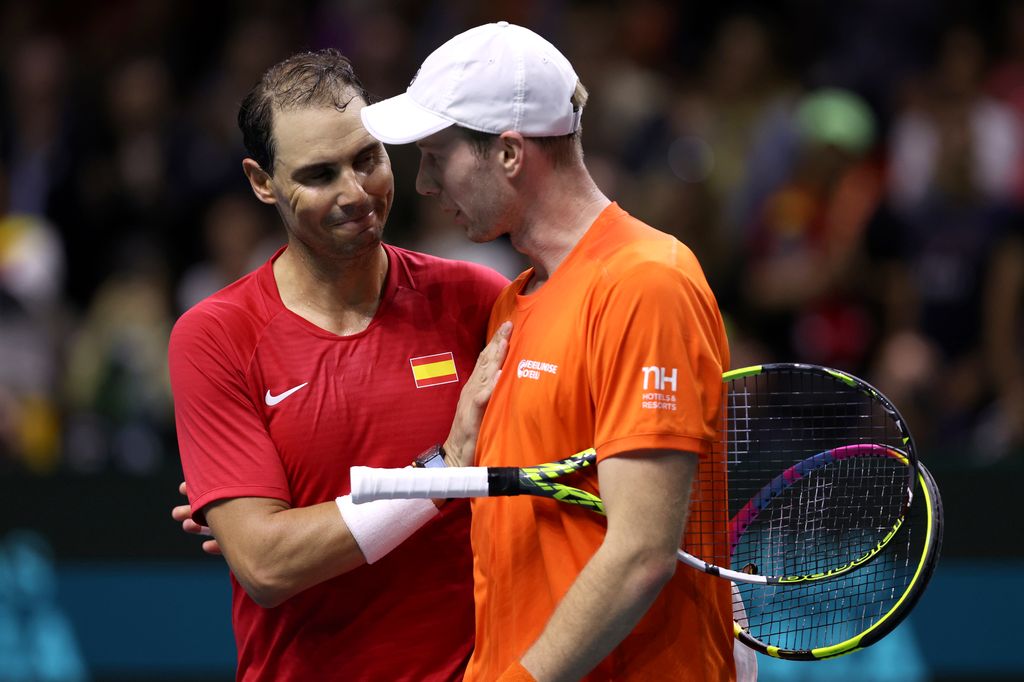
x: 225, y: 448
x: 658, y: 351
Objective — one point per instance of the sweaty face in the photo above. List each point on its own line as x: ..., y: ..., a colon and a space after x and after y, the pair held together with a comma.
x: 468, y: 187
x: 332, y: 181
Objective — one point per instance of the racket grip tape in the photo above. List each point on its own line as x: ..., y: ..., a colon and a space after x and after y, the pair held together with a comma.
x: 503, y: 481
x: 369, y: 483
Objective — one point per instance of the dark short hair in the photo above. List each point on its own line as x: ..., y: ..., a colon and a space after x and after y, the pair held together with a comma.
x: 321, y: 78
x: 560, y: 149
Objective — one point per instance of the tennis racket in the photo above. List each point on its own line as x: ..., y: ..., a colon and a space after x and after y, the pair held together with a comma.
x: 823, y: 619
x: 809, y: 484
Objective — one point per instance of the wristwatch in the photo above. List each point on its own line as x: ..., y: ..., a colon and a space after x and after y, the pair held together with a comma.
x: 431, y: 458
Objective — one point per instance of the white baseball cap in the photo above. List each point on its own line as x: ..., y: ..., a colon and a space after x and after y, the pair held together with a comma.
x: 492, y: 78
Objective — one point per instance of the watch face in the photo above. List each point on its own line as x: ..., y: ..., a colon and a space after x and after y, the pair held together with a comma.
x: 431, y: 458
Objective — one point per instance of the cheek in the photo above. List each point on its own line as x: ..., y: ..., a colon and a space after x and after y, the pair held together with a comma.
x: 481, y: 185
x: 297, y: 198
x: 311, y: 205
x: 462, y: 182
x: 380, y: 183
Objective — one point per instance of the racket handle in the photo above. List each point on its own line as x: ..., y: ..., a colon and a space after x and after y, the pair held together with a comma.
x: 369, y: 483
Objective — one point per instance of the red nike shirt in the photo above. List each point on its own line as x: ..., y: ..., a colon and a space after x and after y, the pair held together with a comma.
x: 269, y: 405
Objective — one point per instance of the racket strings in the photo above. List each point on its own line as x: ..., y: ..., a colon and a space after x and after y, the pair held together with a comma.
x: 823, y: 613
x: 771, y: 424
x: 808, y: 529
x: 815, y: 482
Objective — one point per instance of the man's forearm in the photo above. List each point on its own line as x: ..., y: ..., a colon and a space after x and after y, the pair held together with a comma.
x: 624, y: 576
x: 277, y: 552
x: 605, y: 603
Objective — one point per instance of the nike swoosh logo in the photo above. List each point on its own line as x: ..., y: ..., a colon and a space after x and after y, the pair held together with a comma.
x: 275, y: 399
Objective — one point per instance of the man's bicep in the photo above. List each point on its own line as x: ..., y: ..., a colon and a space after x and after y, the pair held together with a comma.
x: 240, y: 525
x: 647, y: 495
x: 241, y: 517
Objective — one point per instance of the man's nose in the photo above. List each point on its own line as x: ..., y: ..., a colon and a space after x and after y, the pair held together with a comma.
x: 350, y: 190
x: 425, y: 183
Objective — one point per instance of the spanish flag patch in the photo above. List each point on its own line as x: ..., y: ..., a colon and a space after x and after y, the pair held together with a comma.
x: 432, y: 370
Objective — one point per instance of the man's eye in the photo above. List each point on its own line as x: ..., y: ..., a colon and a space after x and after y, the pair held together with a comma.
x: 367, y: 160
x: 323, y: 175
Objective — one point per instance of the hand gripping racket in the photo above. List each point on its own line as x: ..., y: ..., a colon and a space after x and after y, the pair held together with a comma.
x: 803, y: 503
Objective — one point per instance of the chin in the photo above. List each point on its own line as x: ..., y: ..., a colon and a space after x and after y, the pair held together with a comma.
x: 482, y: 236
x: 366, y: 243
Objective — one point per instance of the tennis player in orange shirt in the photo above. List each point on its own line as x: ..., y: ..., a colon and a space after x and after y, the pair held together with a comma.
x: 618, y: 344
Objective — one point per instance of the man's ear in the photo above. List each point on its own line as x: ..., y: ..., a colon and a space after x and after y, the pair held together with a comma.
x: 511, y: 148
x: 259, y: 179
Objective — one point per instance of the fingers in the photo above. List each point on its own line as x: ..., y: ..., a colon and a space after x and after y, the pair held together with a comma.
x: 461, y: 443
x: 190, y: 526
x: 211, y: 547
x: 488, y: 365
x: 193, y: 528
x: 501, y: 335
x: 497, y: 348
x: 181, y: 512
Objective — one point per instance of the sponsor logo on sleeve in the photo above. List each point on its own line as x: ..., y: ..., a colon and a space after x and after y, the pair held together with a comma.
x: 659, y: 392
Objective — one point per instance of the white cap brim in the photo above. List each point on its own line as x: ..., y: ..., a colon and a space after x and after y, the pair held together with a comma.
x: 399, y: 120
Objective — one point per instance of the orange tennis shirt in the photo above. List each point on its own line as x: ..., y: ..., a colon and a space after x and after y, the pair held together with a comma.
x: 623, y: 348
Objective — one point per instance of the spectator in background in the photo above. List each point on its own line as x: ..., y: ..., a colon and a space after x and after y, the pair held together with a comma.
x: 375, y: 35
x: 212, y: 145
x: 1005, y: 81
x: 124, y: 182
x: 798, y: 283
x: 32, y: 320
x: 747, y: 92
x: 689, y: 160
x: 1000, y: 431
x: 947, y: 119
x: 630, y: 48
x: 237, y: 239
x: 35, y: 126
x: 116, y: 383
x: 954, y: 152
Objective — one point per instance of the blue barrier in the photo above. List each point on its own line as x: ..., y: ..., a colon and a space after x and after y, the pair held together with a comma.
x: 77, y: 621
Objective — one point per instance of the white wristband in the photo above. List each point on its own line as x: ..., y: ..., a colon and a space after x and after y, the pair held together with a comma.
x: 378, y: 527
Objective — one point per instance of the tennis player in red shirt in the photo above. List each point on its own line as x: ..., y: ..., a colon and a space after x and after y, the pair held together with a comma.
x: 340, y: 350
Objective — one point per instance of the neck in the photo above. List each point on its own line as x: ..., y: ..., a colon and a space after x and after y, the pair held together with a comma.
x: 561, y: 214
x: 338, y: 295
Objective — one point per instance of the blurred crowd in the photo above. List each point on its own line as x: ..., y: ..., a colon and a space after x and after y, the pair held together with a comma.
x: 850, y: 174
